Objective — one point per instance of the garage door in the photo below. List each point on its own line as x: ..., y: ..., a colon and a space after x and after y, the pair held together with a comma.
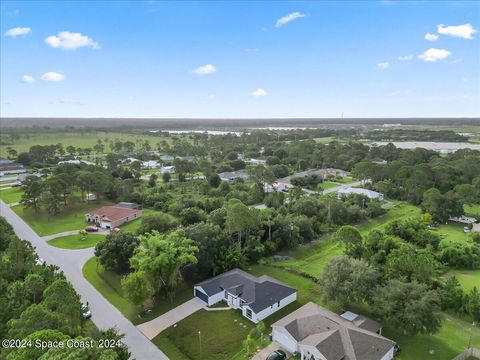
x: 201, y: 295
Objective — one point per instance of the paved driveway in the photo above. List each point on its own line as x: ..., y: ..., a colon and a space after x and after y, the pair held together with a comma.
x: 263, y: 354
x: 104, y: 314
x: 154, y: 327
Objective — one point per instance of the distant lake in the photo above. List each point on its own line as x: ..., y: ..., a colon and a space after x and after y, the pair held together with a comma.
x: 436, y: 146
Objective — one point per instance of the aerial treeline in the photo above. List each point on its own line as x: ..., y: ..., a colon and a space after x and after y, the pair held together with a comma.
x: 37, y: 302
x: 440, y: 184
x: 396, y: 271
x: 414, y: 135
x: 54, y: 192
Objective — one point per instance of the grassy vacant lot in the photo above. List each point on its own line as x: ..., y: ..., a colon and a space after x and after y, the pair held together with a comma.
x: 108, y: 284
x: 472, y: 210
x: 132, y: 226
x: 453, y: 232
x: 77, y: 139
x: 311, y: 259
x: 76, y: 242
x: 221, y: 333
x: 12, y: 195
x: 467, y: 278
x: 71, y: 217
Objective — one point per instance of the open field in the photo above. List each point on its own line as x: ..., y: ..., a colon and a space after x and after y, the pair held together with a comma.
x: 328, y: 185
x: 311, y: 259
x: 472, y: 210
x: 467, y: 278
x: 11, y: 195
x: 71, y: 217
x: 221, y: 335
x: 108, y: 284
x: 77, y: 139
x: 76, y: 242
x: 452, y: 232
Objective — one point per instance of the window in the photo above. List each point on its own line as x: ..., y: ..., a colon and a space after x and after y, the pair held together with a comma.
x: 278, y: 304
x: 226, y: 295
x: 249, y: 313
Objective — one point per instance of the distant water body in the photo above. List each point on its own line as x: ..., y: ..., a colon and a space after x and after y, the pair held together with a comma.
x: 436, y: 146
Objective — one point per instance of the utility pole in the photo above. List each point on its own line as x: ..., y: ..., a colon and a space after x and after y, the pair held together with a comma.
x: 200, y: 342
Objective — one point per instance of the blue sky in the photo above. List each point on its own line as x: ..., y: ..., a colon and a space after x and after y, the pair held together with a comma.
x: 240, y: 59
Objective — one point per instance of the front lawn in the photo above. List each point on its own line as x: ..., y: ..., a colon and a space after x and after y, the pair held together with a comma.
x: 76, y: 242
x: 452, y: 232
x: 212, y: 335
x: 108, y: 284
x: 71, y: 217
x: 328, y: 185
x: 12, y: 195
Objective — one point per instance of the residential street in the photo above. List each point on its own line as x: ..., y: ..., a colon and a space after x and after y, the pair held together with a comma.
x: 104, y: 314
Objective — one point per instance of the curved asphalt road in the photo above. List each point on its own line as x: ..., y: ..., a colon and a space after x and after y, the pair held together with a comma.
x: 104, y: 314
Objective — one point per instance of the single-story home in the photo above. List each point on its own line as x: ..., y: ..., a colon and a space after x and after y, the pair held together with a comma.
x: 318, y: 334
x: 232, y: 175
x: 166, y: 157
x: 90, y: 197
x: 276, y: 186
x: 109, y: 217
x: 255, y: 162
x: 167, y: 169
x: 255, y: 297
x: 359, y: 191
x: 10, y: 167
x: 151, y: 164
x: 463, y: 219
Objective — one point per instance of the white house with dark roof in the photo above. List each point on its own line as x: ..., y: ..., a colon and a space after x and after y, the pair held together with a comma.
x: 257, y: 298
x: 319, y: 334
x: 360, y: 191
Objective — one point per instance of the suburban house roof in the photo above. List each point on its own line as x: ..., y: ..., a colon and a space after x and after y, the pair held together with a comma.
x: 230, y: 175
x: 114, y: 213
x: 258, y: 293
x: 333, y: 335
x: 366, y: 192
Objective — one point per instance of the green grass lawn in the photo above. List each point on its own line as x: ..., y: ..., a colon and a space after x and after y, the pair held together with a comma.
x: 77, y: 139
x: 467, y: 278
x: 76, y: 242
x: 344, y: 180
x: 221, y: 334
x: 132, y: 226
x: 452, y: 232
x: 12, y: 195
x: 451, y: 340
x: 108, y: 284
x: 472, y: 210
x: 311, y: 259
x: 71, y: 217
x: 328, y: 185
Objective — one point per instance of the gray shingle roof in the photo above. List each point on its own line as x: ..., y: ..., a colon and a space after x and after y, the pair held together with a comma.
x: 258, y: 293
x: 334, y: 336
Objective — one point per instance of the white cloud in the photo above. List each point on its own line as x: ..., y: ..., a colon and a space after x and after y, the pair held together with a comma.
x: 28, y: 79
x: 431, y: 37
x: 433, y: 54
x: 53, y: 76
x: 205, y: 69
x: 405, y: 58
x: 290, y: 17
x: 383, y: 65
x: 464, y: 31
x: 258, y: 93
x: 18, y: 31
x: 70, y: 41
x: 15, y: 12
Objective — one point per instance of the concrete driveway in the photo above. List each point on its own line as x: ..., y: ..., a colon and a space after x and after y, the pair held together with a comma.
x: 104, y: 314
x: 263, y: 354
x: 154, y: 327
